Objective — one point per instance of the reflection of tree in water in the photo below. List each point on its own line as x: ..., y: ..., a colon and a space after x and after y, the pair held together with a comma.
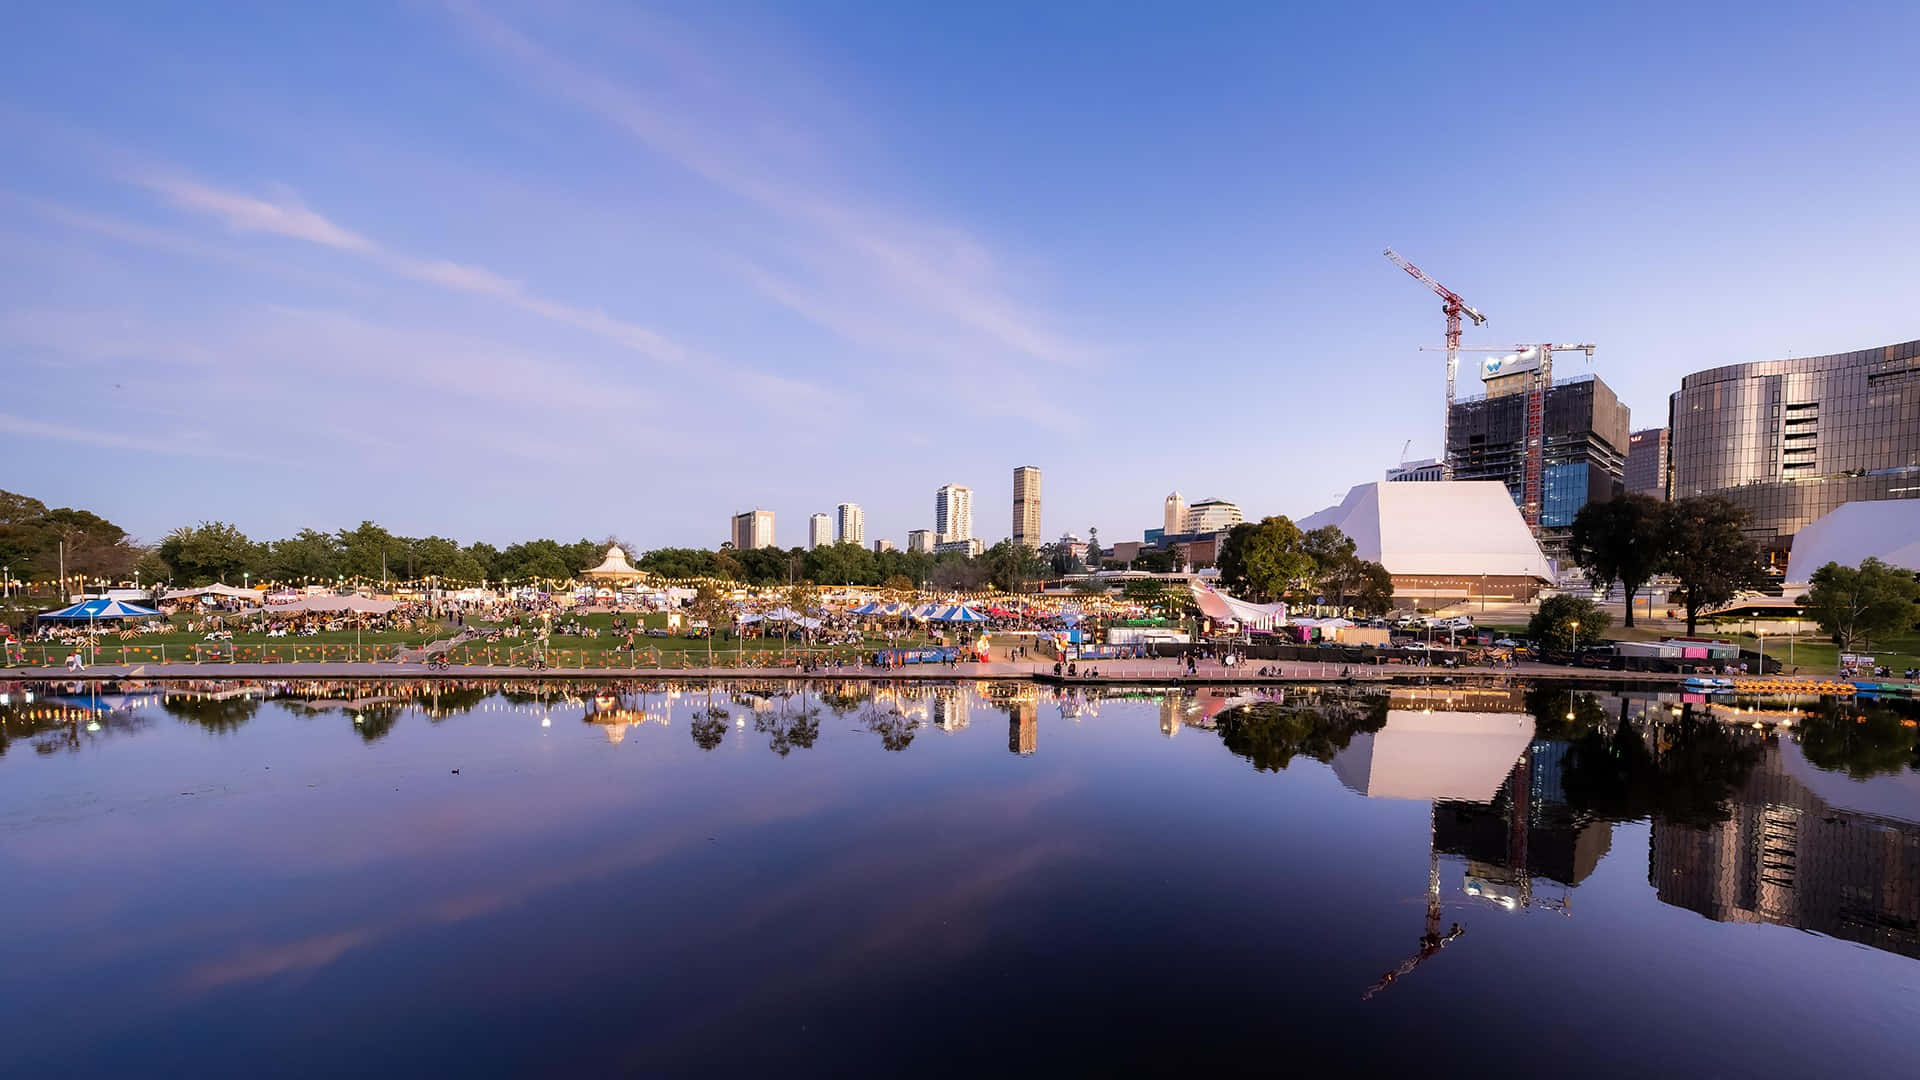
x: 55, y: 730
x: 1617, y: 775
x: 1861, y: 738
x: 895, y: 728
x: 1271, y: 733
x: 1550, y: 707
x: 452, y: 701
x: 844, y: 699
x: 375, y: 721
x: 709, y: 727
x: 218, y: 715
x: 789, y: 726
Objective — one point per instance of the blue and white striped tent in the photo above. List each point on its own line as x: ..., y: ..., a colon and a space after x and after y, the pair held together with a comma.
x: 958, y: 613
x: 99, y: 608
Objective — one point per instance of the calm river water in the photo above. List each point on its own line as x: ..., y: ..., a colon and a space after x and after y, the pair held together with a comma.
x: 565, y: 879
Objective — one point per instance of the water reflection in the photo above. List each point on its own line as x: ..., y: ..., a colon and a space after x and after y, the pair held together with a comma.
x: 1800, y: 813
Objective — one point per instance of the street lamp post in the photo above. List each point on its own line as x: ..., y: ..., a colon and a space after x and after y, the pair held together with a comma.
x: 1576, y: 642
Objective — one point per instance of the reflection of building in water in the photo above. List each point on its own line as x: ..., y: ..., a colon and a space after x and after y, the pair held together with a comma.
x: 950, y: 709
x: 1172, y: 710
x: 1023, y: 727
x: 1788, y: 855
x: 1525, y: 832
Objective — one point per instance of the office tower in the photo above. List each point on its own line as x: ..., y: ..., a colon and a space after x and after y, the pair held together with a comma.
x: 920, y: 540
x: 1790, y: 440
x: 1173, y: 520
x: 1584, y: 449
x: 1425, y: 470
x: 882, y: 545
x: 850, y: 524
x: 819, y: 531
x: 753, y: 529
x: 1212, y: 516
x: 1647, y: 463
x: 952, y: 513
x: 1026, y: 506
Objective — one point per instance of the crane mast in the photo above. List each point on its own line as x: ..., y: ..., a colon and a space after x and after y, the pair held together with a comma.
x: 1453, y: 307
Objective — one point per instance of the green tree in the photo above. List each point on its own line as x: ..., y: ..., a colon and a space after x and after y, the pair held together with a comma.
x: 1564, y: 620
x: 1266, y: 560
x: 1859, y: 605
x: 1011, y: 566
x: 208, y: 552
x: 1862, y: 739
x: 1708, y: 551
x: 678, y: 563
x: 1153, y: 561
x: 307, y: 554
x: 841, y: 564
x: 1621, y: 539
x: 372, y: 552
x: 1375, y: 594
x: 439, y: 557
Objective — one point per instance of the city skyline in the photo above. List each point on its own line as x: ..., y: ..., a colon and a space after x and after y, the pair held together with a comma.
x: 243, y: 260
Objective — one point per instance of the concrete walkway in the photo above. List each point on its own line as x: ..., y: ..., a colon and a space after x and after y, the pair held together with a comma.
x: 1111, y: 673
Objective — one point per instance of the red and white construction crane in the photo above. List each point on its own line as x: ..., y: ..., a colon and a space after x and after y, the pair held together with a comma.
x: 1452, y: 306
x: 1537, y: 359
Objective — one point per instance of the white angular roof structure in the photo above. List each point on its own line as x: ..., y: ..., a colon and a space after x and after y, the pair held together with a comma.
x: 1455, y: 528
x: 1441, y: 755
x: 1884, y: 529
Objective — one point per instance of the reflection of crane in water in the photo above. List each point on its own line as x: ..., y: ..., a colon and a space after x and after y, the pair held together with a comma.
x: 1432, y: 941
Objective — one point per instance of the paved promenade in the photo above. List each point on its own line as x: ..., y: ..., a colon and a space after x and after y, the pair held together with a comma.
x: 1109, y: 673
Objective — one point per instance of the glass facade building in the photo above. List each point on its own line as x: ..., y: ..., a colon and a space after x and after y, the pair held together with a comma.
x: 1647, y: 463
x: 1584, y: 449
x: 1790, y: 440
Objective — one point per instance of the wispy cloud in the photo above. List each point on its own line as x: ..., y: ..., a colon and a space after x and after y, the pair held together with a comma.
x: 82, y: 432
x: 285, y: 216
x: 941, y: 272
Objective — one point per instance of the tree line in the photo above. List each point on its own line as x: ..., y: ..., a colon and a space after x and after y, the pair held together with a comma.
x: 1272, y: 560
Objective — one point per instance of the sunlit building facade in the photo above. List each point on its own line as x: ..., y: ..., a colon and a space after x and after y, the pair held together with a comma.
x: 1791, y: 440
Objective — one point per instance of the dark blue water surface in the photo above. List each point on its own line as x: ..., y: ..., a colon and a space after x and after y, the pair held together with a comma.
x: 497, y: 879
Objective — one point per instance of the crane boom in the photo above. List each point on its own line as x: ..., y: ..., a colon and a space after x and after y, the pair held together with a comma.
x: 1452, y: 306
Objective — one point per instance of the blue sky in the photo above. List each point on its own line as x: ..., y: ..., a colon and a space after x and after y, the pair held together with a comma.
x: 495, y: 270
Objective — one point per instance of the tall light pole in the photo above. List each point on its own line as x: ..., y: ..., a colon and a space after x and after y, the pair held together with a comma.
x: 1576, y: 642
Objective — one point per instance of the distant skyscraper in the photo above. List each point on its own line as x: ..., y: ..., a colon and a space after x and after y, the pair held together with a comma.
x: 850, y: 524
x: 1212, y: 516
x: 952, y: 513
x: 920, y: 540
x: 882, y: 545
x: 1174, y: 520
x: 819, y: 531
x: 753, y: 529
x: 1424, y: 470
x: 1647, y: 462
x: 1026, y: 505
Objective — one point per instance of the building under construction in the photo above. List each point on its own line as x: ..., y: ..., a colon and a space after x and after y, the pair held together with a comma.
x: 1584, y: 431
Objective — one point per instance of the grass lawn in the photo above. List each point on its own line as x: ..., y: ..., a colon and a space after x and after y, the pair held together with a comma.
x: 565, y: 650
x: 181, y: 644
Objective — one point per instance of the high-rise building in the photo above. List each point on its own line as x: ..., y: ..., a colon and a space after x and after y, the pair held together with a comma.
x: 952, y: 513
x: 1026, y: 505
x: 1211, y: 516
x: 1584, y: 447
x: 920, y: 540
x: 1423, y: 471
x: 1791, y: 440
x: 819, y: 531
x: 972, y: 546
x: 1646, y: 472
x: 1173, y: 518
x: 753, y: 529
x: 882, y: 545
x: 850, y: 524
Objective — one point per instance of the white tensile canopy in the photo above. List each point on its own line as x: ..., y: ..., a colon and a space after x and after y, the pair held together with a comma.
x: 1223, y: 608
x: 211, y: 590
x: 359, y: 605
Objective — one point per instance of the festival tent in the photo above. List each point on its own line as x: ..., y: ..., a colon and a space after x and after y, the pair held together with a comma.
x: 1223, y: 608
x: 958, y: 613
x: 359, y: 605
x: 100, y: 608
x: 229, y: 591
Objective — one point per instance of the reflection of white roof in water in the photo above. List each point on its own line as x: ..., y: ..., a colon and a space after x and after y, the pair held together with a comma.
x: 1438, y: 755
